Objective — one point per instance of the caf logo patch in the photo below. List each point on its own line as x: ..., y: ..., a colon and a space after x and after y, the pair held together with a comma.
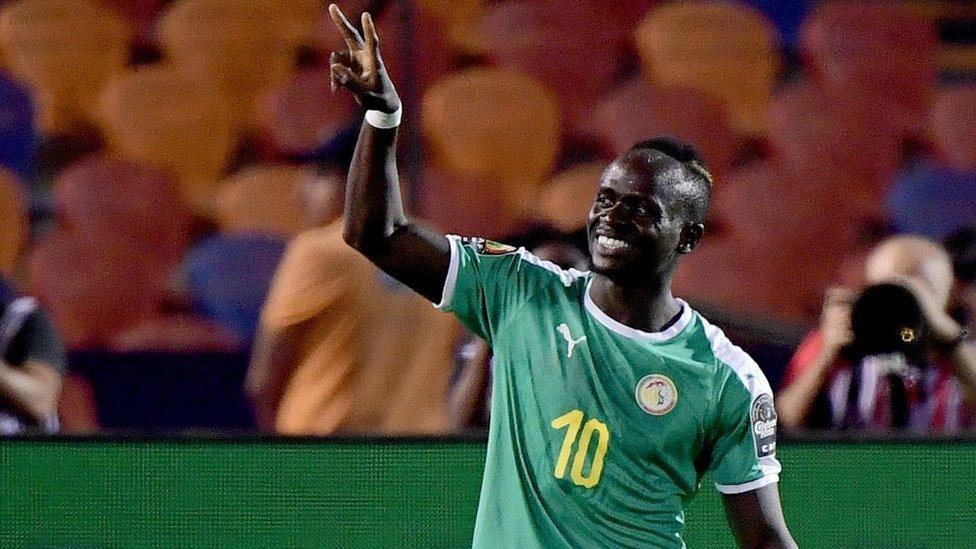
x: 656, y: 394
x: 763, y: 418
x: 488, y: 247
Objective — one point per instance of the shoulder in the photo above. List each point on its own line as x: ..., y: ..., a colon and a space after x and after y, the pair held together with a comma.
x: 735, y: 366
x: 522, y: 261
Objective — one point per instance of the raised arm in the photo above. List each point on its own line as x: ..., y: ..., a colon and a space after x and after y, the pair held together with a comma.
x: 375, y: 222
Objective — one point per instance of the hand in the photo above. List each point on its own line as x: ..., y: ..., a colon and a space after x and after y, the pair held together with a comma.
x: 942, y: 326
x: 835, y: 320
x: 361, y: 69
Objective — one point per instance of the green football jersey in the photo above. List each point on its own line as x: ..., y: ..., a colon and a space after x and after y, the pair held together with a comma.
x: 600, y: 433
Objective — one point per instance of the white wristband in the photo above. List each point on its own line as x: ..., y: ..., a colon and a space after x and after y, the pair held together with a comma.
x: 384, y: 120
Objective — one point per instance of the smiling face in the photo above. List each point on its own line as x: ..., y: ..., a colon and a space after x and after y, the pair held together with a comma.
x: 641, y: 221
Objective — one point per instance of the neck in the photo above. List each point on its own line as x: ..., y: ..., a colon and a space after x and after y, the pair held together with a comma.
x: 648, y: 307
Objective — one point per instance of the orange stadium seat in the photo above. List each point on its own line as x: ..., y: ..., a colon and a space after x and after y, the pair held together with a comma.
x: 171, y: 120
x: 494, y: 125
x: 816, y: 133
x: 419, y: 56
x: 243, y: 46
x: 65, y: 50
x: 639, y: 111
x: 461, y: 19
x: 721, y: 49
x: 567, y: 49
x: 92, y: 287
x: 263, y: 199
x: 116, y: 199
x: 301, y: 114
x: 13, y: 222
x: 952, y: 126
x: 566, y: 200
x: 877, y: 53
x: 175, y: 334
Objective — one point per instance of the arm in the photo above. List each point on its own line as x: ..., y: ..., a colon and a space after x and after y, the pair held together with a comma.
x: 31, y: 388
x: 272, y: 363
x: 756, y: 518
x: 795, y: 400
x: 467, y: 398
x: 375, y: 222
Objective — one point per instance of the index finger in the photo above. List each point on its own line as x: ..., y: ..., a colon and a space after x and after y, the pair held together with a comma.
x: 349, y: 32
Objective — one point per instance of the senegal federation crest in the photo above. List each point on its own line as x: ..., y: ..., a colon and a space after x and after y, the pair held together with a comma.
x: 656, y: 394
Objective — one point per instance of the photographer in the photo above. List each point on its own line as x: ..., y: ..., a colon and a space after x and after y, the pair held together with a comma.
x: 32, y: 362
x: 922, y: 378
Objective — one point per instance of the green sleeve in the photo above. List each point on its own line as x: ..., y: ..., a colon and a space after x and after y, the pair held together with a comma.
x: 744, y: 449
x: 487, y: 282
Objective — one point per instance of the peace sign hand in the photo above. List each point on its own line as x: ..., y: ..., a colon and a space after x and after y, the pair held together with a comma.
x: 361, y: 69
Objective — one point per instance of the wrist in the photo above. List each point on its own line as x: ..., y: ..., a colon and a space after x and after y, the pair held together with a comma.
x: 384, y: 120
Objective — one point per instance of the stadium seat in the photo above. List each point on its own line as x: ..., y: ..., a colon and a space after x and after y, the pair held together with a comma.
x: 263, y: 199
x: 301, y: 115
x: 494, y: 125
x: 64, y: 50
x: 877, y: 53
x: 638, y: 111
x: 787, y: 16
x: 816, y: 133
x: 227, y: 278
x: 18, y: 140
x: 141, y: 14
x: 415, y: 48
x: 723, y: 49
x: 466, y: 205
x: 174, y: 334
x: 13, y: 222
x: 112, y: 198
x: 530, y: 36
x: 174, y: 121
x: 933, y: 200
x: 566, y: 200
x: 243, y: 46
x: 94, y: 288
x: 952, y: 126
x: 461, y: 19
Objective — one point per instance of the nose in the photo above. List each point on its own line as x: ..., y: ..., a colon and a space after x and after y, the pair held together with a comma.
x: 617, y: 213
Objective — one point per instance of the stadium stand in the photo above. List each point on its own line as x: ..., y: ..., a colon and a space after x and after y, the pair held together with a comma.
x: 263, y: 199
x: 13, y: 222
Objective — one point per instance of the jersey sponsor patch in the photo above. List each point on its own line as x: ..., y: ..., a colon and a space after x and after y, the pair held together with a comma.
x: 488, y: 247
x: 656, y: 394
x: 763, y: 418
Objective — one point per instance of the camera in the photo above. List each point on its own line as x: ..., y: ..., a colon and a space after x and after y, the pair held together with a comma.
x: 887, y: 319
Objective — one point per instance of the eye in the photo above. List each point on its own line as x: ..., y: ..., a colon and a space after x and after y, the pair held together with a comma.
x: 603, y: 200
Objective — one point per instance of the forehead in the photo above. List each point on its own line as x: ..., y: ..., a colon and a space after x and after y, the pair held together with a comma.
x: 646, y: 173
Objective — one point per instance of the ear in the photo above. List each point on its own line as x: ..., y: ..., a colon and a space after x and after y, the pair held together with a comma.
x: 691, y: 235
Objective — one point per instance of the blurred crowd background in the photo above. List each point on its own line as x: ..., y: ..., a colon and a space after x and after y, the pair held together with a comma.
x: 172, y: 172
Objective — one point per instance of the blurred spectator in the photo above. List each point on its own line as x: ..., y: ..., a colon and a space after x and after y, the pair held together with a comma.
x: 31, y: 366
x: 471, y: 392
x: 831, y: 383
x: 961, y: 245
x: 343, y: 347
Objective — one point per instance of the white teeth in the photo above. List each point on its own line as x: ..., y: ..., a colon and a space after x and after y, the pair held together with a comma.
x: 611, y: 243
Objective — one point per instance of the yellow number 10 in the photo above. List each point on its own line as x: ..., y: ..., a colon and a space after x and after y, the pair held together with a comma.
x: 574, y: 420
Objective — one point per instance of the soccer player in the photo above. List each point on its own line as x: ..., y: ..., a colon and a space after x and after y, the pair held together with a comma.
x: 610, y: 398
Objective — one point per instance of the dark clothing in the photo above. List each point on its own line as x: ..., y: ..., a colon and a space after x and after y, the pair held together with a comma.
x: 26, y: 333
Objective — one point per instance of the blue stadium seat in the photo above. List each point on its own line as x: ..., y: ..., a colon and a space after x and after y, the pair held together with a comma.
x: 932, y: 200
x: 18, y: 141
x: 227, y: 278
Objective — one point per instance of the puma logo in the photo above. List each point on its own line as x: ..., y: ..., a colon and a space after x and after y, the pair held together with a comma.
x: 572, y: 343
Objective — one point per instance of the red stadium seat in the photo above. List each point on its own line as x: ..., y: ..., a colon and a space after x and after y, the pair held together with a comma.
x: 952, y: 126
x: 264, y: 199
x: 112, y: 198
x: 816, y: 133
x: 567, y: 49
x: 301, y: 114
x: 461, y: 19
x: 94, y: 288
x: 171, y: 120
x: 466, y: 205
x: 65, y: 50
x: 875, y: 53
x: 141, y: 14
x: 13, y: 222
x: 494, y: 125
x: 638, y: 111
x: 722, y: 49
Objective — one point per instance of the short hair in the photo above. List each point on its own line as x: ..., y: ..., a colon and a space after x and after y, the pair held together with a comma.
x: 698, y: 192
